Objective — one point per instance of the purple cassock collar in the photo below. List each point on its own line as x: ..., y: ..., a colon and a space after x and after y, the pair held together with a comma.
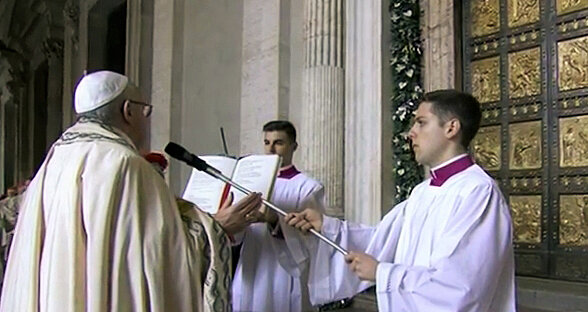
x: 288, y: 172
x: 440, y: 175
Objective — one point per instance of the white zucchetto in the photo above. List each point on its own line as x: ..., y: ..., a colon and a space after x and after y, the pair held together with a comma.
x: 97, y: 89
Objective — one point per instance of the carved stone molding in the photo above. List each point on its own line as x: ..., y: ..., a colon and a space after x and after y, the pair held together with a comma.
x: 71, y: 12
x: 53, y: 48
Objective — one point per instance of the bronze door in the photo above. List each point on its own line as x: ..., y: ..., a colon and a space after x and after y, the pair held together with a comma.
x: 527, y: 63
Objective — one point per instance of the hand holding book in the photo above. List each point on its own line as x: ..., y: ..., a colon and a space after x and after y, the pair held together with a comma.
x: 255, y: 172
x: 235, y: 217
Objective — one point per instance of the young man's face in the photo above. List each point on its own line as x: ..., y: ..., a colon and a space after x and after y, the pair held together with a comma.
x: 278, y: 142
x: 427, y: 135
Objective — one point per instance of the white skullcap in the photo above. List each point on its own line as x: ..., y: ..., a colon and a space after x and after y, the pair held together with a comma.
x: 97, y: 89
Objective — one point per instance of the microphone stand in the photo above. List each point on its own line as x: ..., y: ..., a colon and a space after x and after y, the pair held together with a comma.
x: 217, y: 174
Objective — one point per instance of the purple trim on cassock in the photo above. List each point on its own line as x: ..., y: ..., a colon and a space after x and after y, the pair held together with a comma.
x: 288, y: 173
x: 439, y: 176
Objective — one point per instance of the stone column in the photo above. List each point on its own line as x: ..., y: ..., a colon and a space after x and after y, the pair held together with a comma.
x: 12, y: 88
x: 167, y: 26
x: 265, y: 85
x: 323, y: 111
x: 368, y: 122
x: 53, y: 50
x: 133, y: 48
x: 438, y: 36
x: 71, y: 68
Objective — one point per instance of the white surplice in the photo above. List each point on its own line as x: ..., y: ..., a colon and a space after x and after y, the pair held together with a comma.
x: 272, y: 271
x: 446, y: 248
x: 99, y: 230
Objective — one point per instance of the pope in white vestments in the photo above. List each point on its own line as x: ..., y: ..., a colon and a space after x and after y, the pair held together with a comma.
x: 99, y: 230
x: 446, y: 248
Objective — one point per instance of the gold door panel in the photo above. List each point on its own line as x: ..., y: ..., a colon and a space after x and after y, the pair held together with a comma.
x: 573, y: 220
x: 567, y: 6
x: 526, y: 218
x: 485, y: 17
x: 522, y: 12
x: 573, y: 63
x: 525, y: 145
x: 524, y: 73
x: 526, y: 61
x: 486, y: 79
x: 573, y: 141
x: 486, y: 147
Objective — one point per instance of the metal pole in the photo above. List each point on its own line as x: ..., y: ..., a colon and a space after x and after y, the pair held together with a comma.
x: 281, y: 212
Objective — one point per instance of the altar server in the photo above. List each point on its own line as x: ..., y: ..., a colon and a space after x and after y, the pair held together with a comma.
x: 446, y: 248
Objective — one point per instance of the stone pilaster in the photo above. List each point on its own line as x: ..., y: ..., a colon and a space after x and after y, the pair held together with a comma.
x: 162, y: 88
x: 438, y: 36
x: 71, y: 70
x: 12, y: 88
x: 368, y: 172
x: 323, y: 108
x: 265, y: 72
x: 133, y: 48
x: 53, y: 50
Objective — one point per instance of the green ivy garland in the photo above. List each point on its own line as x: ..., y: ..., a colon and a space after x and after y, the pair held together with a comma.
x: 405, y: 62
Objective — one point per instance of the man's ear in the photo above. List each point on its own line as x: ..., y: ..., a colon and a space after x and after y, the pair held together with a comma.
x: 295, y: 146
x: 126, y: 111
x: 452, y: 128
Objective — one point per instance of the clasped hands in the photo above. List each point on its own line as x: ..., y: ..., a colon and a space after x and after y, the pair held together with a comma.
x: 363, y: 265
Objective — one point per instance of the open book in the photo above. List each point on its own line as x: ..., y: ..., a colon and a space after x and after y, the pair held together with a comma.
x: 256, y: 173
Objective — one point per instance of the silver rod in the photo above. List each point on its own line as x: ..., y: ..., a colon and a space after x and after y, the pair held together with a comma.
x: 222, y: 133
x: 215, y: 173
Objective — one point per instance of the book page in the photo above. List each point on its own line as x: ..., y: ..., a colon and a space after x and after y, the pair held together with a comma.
x: 256, y: 173
x: 204, y: 190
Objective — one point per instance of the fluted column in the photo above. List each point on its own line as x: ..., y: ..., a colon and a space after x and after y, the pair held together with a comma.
x: 323, y: 110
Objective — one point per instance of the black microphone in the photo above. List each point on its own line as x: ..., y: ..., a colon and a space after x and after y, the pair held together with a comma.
x: 178, y: 152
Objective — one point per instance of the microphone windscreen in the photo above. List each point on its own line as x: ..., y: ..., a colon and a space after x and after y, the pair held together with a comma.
x: 176, y: 151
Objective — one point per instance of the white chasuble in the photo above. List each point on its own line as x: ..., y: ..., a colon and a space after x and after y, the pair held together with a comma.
x: 99, y: 230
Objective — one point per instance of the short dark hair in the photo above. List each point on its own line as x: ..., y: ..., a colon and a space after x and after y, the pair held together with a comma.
x: 281, y: 125
x: 463, y: 106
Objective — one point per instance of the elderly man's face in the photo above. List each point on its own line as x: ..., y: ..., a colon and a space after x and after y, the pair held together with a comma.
x: 140, y: 120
